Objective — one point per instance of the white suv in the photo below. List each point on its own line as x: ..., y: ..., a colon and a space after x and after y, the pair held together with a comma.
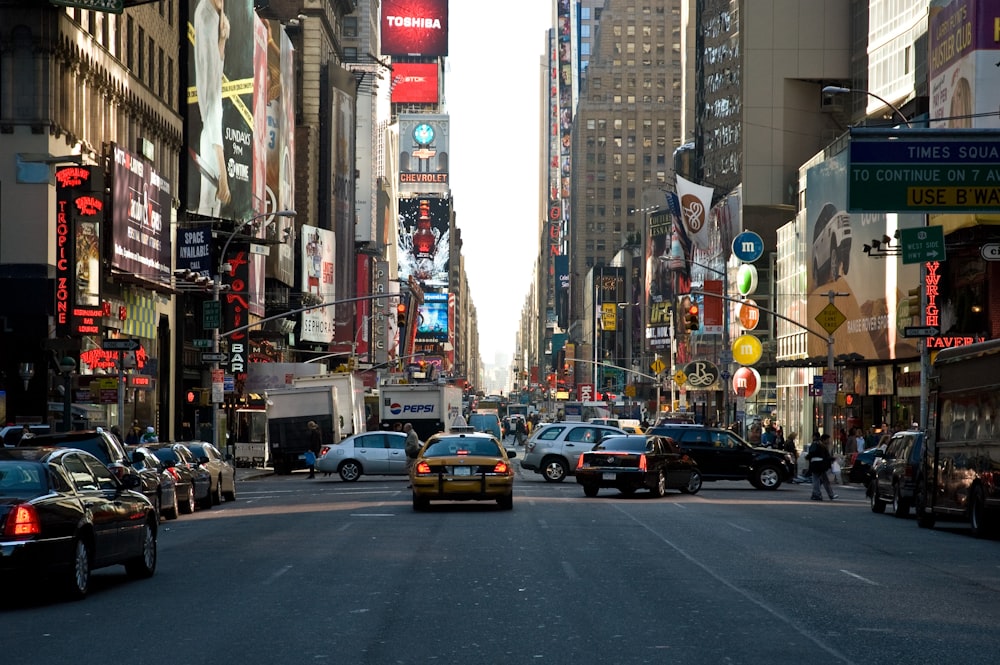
x: 554, y: 448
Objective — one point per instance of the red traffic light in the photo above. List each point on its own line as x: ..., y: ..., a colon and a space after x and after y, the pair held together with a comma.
x: 401, y: 308
x: 693, y: 310
x: 192, y: 397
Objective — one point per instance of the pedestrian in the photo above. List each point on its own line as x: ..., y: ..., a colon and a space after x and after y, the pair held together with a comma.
x: 859, y: 441
x: 117, y: 432
x: 789, y: 447
x: 820, y: 461
x: 149, y: 436
x: 315, y: 443
x: 412, y: 448
x: 520, y: 431
x: 134, y: 433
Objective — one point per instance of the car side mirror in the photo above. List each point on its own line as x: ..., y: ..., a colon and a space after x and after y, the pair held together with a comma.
x: 203, y: 460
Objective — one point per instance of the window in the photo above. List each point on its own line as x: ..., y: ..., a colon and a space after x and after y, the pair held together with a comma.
x: 350, y: 26
x: 83, y: 479
x: 105, y: 480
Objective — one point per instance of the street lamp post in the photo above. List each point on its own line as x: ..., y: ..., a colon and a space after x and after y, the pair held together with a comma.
x: 216, y: 291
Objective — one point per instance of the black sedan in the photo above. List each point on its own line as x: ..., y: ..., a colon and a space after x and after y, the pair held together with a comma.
x: 149, y: 466
x: 194, y: 484
x: 63, y: 514
x: 220, y: 470
x: 629, y: 463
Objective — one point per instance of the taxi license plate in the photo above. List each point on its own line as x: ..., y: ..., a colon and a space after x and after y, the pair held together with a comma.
x: 463, y: 471
x: 608, y: 476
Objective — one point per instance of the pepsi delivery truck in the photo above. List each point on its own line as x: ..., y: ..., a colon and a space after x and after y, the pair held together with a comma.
x: 429, y: 407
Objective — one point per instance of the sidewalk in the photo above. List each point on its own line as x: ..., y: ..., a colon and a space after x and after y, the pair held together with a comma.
x: 253, y: 472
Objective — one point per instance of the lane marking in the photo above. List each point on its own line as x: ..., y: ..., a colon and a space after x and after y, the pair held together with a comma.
x: 277, y: 574
x: 737, y: 526
x: 858, y: 577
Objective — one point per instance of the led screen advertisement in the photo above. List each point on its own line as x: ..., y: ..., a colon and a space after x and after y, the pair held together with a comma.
x: 414, y: 27
x: 317, y: 271
x: 423, y: 153
x: 140, y: 217
x: 876, y: 289
x: 414, y: 83
x: 220, y: 109
x: 432, y: 318
x: 423, y: 246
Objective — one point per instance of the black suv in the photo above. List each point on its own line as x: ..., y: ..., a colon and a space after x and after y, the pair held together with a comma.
x: 722, y: 455
x: 894, y: 473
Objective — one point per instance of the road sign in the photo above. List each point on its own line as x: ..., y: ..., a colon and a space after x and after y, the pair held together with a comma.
x: 120, y: 344
x: 657, y: 366
x: 211, y: 314
x: 920, y: 331
x: 990, y: 251
x: 934, y: 172
x: 923, y: 243
x: 830, y: 318
x: 202, y: 343
x: 680, y: 378
x: 208, y: 357
x: 630, y: 390
x: 748, y: 246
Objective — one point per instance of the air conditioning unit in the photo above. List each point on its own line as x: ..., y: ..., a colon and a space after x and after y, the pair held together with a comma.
x: 831, y: 103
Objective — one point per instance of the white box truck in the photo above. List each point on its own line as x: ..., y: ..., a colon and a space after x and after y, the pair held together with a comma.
x: 429, y: 407
x: 350, y: 398
x: 289, y: 411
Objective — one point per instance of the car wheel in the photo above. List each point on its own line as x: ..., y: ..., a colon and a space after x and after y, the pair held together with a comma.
x: 217, y: 494
x: 900, y: 506
x: 172, y: 511
x: 144, y: 565
x: 419, y: 503
x: 878, y: 505
x: 350, y: 471
x: 590, y: 490
x: 660, y: 489
x: 767, y: 478
x: 231, y: 494
x: 188, y: 504
x: 76, y: 580
x: 694, y: 483
x: 506, y: 502
x: 554, y: 470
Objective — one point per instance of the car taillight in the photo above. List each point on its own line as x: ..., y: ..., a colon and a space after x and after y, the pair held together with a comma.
x: 423, y: 468
x: 501, y: 467
x: 174, y: 472
x: 23, y: 522
x: 579, y: 462
x: 642, y: 462
x: 324, y: 450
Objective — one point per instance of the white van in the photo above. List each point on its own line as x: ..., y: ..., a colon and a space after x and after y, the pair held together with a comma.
x: 630, y: 425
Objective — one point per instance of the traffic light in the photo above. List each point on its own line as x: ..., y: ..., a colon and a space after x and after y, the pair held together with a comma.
x: 691, y: 323
x: 401, y: 314
x: 913, y: 306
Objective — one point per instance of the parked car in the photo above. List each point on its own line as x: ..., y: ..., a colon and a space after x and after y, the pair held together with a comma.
x: 145, y: 462
x: 64, y: 514
x: 722, y: 455
x: 831, y: 249
x: 861, y: 467
x: 633, y: 462
x: 194, y: 485
x: 462, y: 467
x: 895, y: 473
x: 220, y: 470
x: 11, y: 434
x: 553, y: 449
x: 372, y: 453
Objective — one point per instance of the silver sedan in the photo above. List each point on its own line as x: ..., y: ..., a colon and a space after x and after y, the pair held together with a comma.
x: 372, y: 453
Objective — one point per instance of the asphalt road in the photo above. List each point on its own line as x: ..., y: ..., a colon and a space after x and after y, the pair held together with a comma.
x: 320, y: 571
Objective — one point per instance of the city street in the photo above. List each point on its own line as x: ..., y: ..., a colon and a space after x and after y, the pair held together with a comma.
x: 306, y: 571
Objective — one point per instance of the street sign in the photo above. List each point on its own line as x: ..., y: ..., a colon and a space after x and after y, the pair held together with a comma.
x: 830, y: 318
x: 748, y: 246
x: 932, y: 172
x: 657, y: 366
x: 920, y: 331
x: 923, y: 243
x: 211, y: 314
x: 208, y: 357
x: 120, y: 344
x: 990, y: 251
x: 202, y: 343
x: 680, y: 378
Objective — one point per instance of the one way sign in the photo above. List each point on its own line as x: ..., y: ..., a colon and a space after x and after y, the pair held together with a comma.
x: 209, y: 357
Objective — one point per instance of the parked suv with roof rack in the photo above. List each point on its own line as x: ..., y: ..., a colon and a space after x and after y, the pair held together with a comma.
x: 894, y: 473
x: 554, y: 448
x: 722, y: 455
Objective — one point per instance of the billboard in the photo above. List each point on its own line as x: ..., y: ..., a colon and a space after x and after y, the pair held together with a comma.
x: 280, y: 143
x: 79, y: 213
x: 140, y: 217
x: 194, y: 249
x: 423, y: 247
x: 432, y: 318
x: 423, y: 153
x: 318, y: 251
x: 414, y: 27
x: 963, y: 54
x: 414, y: 83
x: 220, y: 109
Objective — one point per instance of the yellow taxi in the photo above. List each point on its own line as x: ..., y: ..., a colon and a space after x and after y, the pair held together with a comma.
x: 468, y: 466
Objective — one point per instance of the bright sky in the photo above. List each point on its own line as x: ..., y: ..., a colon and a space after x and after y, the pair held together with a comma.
x: 492, y: 88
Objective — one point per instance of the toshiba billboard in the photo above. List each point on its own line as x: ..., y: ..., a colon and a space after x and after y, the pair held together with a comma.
x: 415, y: 27
x: 414, y: 83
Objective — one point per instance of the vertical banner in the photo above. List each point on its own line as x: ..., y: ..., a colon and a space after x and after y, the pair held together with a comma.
x: 318, y: 251
x: 220, y: 111
x: 140, y: 217
x: 714, y: 307
x: 235, y: 302
x: 424, y: 246
x: 695, y: 204
x: 280, y: 144
x: 79, y: 213
x: 449, y: 352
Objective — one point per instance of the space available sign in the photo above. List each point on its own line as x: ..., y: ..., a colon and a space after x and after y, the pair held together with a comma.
x: 194, y: 249
x: 414, y: 27
x: 140, y: 217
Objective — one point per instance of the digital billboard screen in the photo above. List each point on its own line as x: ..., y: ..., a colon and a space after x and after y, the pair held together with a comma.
x: 415, y: 27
